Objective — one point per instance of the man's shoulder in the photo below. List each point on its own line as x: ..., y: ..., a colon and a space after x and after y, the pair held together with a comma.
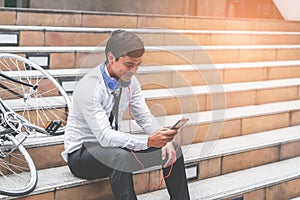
x: 88, y: 83
x: 92, y: 76
x: 94, y: 72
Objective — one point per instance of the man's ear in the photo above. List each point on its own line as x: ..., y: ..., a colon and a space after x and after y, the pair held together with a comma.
x: 111, y: 57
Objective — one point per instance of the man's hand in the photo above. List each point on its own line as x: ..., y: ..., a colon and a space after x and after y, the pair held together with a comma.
x: 161, y: 137
x: 168, y: 149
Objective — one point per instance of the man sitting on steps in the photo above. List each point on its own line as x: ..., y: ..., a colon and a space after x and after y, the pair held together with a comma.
x: 95, y: 146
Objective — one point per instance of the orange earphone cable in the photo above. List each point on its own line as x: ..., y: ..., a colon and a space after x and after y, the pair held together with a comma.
x: 137, y: 159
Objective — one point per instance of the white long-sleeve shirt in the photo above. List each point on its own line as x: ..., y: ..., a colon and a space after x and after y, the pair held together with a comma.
x: 88, y: 119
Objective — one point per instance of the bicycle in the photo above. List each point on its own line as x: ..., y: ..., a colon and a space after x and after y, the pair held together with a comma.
x: 32, y: 103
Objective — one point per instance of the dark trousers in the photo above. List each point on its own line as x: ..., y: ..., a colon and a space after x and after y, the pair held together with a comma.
x: 93, y: 161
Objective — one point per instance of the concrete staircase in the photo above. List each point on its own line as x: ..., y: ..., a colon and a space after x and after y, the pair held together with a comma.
x: 237, y: 80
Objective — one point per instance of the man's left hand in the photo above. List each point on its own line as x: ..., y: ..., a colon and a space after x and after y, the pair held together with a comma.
x: 168, y: 149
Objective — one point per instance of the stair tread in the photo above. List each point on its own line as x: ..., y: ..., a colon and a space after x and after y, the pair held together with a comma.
x: 152, y: 94
x: 48, y: 180
x: 215, y: 148
x: 61, y: 177
x: 220, y: 115
x: 139, y: 30
x: 54, y: 179
x: 196, y: 118
x: 87, y: 49
x: 219, y: 88
x: 169, y: 68
x: 237, y: 182
x: 238, y: 144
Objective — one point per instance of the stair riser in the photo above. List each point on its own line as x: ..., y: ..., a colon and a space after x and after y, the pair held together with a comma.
x: 49, y: 156
x: 219, y: 56
x: 98, y: 190
x: 212, y: 167
x: 215, y: 76
x: 203, y: 102
x: 238, y: 127
x: 274, y: 192
x: 49, y: 18
x: 207, y: 168
x: 57, y: 38
x: 195, y: 77
x: 70, y: 60
x: 269, y: 193
x: 169, y: 80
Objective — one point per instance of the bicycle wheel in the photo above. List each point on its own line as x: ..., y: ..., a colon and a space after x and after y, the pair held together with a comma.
x: 32, y: 92
x: 18, y: 175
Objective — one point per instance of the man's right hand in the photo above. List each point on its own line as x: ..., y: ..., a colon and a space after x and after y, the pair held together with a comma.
x: 161, y: 137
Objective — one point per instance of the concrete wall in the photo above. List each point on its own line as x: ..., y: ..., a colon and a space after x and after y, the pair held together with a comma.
x: 209, y: 8
x: 289, y: 9
x: 173, y: 7
x: 1, y: 3
x: 212, y: 8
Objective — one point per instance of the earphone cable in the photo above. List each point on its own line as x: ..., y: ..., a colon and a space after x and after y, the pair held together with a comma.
x: 148, y: 186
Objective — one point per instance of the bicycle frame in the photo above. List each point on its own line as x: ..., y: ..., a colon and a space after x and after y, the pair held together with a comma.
x: 18, y: 123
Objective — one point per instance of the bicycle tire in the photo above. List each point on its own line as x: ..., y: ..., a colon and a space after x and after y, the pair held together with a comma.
x: 17, y: 169
x: 46, y: 101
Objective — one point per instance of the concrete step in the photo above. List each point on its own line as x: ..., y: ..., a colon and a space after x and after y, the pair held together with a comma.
x: 46, y: 17
x: 202, y: 127
x: 174, y: 76
x: 59, y: 183
x: 172, y: 101
x: 212, y: 159
x: 218, y: 96
x: 13, y: 35
x: 82, y: 57
x: 269, y: 180
x: 237, y: 121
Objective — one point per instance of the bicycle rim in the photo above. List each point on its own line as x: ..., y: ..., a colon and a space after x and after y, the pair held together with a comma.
x: 46, y: 101
x: 18, y: 175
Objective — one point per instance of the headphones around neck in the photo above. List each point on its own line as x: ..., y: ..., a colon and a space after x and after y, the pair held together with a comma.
x: 111, y: 82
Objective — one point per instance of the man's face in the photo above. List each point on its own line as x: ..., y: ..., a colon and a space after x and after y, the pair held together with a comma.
x: 125, y: 67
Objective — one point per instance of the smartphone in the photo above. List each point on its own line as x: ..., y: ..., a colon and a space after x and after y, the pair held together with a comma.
x: 180, y: 123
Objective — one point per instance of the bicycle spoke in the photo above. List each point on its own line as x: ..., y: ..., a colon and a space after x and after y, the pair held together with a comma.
x: 11, y: 166
x: 17, y: 170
